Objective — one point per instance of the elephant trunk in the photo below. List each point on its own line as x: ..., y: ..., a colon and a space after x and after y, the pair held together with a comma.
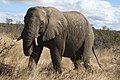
x: 28, y: 37
x: 27, y: 47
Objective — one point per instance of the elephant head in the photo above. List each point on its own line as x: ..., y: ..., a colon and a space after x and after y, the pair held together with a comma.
x: 44, y: 22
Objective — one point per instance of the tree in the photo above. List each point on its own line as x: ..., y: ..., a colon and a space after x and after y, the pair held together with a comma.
x: 105, y: 28
x: 18, y: 22
x: 9, y: 21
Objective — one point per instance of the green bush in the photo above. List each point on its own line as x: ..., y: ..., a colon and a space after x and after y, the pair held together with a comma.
x: 106, y: 38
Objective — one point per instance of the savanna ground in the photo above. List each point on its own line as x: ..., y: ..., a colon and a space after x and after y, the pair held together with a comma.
x: 13, y: 64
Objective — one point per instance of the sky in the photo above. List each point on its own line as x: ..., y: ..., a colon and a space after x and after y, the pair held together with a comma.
x: 99, y: 12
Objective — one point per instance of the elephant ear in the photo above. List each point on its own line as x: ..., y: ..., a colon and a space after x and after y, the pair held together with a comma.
x: 57, y: 23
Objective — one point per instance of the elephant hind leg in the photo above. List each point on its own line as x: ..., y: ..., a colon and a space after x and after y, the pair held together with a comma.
x: 78, y: 57
x: 76, y: 61
x: 87, y: 53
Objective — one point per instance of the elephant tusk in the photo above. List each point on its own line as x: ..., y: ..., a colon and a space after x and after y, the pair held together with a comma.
x: 36, y: 42
x: 15, y: 40
x: 19, y: 38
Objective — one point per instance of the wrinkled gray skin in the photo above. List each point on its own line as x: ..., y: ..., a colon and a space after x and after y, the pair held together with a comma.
x: 66, y: 34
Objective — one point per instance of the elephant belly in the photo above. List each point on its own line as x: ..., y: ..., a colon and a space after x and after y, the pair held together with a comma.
x: 68, y: 53
x: 72, y: 48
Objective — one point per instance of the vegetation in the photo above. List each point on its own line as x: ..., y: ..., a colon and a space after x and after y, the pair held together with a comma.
x: 106, y: 38
x: 13, y: 30
x: 13, y: 63
x: 9, y: 21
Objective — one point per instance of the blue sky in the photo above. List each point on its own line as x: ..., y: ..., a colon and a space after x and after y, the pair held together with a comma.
x: 98, y: 12
x: 13, y: 7
x: 114, y: 2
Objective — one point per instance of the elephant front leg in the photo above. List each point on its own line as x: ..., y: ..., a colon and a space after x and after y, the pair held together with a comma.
x: 56, y: 59
x: 34, y: 57
x: 32, y: 62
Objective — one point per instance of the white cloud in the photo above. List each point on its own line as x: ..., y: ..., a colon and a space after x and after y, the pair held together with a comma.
x: 99, y: 12
x: 16, y: 1
x: 14, y: 16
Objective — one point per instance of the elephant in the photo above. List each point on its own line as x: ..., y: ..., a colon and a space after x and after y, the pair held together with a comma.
x: 66, y: 34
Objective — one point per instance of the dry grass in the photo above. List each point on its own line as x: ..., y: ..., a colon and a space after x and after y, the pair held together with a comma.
x: 13, y: 65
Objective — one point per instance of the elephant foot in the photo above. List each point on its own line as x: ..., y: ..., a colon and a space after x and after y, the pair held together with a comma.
x: 78, y: 64
x: 31, y: 70
x: 58, y: 70
x: 31, y: 67
x: 88, y: 68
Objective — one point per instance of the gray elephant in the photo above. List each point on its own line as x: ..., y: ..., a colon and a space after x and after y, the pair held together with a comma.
x: 67, y: 34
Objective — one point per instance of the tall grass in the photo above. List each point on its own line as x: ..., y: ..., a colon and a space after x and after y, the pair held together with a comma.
x: 15, y: 63
x: 13, y: 30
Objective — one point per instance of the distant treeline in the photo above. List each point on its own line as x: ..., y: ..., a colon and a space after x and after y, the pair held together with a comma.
x: 106, y: 38
x: 13, y: 30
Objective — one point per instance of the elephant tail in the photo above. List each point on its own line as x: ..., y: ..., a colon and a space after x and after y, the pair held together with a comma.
x: 96, y: 58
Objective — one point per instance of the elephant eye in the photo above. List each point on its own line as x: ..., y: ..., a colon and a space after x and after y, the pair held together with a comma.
x: 42, y: 22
